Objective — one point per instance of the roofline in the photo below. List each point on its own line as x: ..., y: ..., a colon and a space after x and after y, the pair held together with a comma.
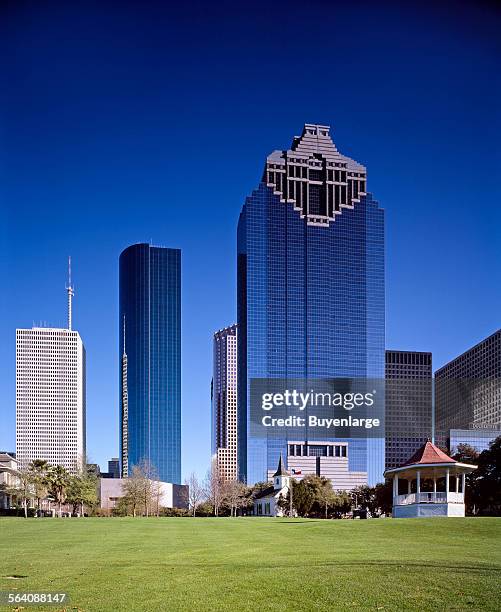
x: 427, y: 465
x: 467, y: 351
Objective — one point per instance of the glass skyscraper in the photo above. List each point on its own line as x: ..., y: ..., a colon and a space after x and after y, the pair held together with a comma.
x: 150, y: 368
x: 310, y: 294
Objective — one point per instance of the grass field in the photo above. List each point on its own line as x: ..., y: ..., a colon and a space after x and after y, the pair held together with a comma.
x: 256, y: 563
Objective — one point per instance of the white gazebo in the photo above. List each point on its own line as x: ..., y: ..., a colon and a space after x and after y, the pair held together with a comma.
x: 430, y: 483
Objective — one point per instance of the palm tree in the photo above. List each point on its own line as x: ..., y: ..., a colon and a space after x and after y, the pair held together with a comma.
x: 38, y: 470
x: 58, y: 479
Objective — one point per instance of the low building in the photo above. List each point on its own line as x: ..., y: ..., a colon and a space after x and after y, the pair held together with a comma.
x: 422, y: 485
x: 169, y: 495
x: 328, y: 459
x: 266, y: 502
x: 9, y: 479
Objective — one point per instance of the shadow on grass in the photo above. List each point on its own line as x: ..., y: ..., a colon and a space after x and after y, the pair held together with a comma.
x: 496, y: 569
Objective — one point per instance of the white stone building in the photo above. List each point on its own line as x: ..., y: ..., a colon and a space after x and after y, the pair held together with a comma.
x: 266, y: 503
x: 50, y: 395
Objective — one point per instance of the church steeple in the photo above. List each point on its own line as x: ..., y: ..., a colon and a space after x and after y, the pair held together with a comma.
x: 281, y: 476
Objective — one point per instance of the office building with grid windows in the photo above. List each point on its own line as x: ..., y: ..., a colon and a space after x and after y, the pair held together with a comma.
x: 51, y: 395
x: 468, y: 391
x: 224, y: 402
x: 310, y: 295
x: 150, y: 368
x: 408, y: 405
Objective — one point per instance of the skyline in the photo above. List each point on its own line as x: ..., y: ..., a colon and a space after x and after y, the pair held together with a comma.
x: 96, y: 168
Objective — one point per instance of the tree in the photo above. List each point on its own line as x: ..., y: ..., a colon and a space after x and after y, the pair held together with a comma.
x: 364, y: 497
x: 303, y: 495
x: 384, y: 497
x: 138, y: 488
x: 215, y: 487
x: 235, y: 495
x: 58, y: 480
x: 341, y: 504
x: 487, y: 486
x: 195, y: 493
x: 24, y: 489
x: 82, y: 491
x: 324, y: 494
x: 38, y: 470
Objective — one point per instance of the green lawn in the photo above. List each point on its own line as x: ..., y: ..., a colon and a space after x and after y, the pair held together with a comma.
x: 256, y: 563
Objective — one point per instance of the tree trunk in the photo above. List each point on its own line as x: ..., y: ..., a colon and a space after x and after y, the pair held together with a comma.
x: 25, y: 508
x: 325, y: 510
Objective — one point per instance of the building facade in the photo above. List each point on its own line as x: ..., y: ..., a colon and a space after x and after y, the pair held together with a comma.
x: 224, y: 402
x: 468, y: 390
x: 163, y: 494
x: 50, y: 397
x: 409, y: 408
x: 310, y: 296
x: 150, y: 368
x: 9, y: 480
x: 479, y: 439
x: 327, y: 459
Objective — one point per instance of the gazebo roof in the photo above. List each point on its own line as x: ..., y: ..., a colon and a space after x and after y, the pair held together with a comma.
x: 427, y: 454
x: 432, y: 460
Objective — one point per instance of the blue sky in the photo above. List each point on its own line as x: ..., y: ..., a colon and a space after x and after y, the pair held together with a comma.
x: 126, y: 122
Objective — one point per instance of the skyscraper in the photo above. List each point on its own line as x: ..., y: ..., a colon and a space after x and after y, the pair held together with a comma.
x: 409, y: 413
x: 468, y: 392
x: 310, y: 294
x: 150, y: 368
x: 224, y: 402
x: 50, y: 394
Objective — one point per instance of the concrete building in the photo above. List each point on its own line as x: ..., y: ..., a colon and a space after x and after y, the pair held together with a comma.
x: 408, y: 404
x: 327, y: 459
x: 468, y: 391
x: 169, y: 495
x: 224, y: 402
x: 310, y: 288
x: 50, y: 394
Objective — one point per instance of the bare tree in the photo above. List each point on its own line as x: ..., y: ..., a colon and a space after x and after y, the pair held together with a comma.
x: 196, y: 492
x: 23, y: 490
x: 235, y: 496
x: 134, y: 490
x: 215, y: 487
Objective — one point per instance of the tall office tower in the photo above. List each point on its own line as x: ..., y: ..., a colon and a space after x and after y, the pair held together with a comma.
x: 310, y: 294
x: 50, y: 395
x: 224, y: 402
x: 468, y: 392
x: 408, y: 405
x: 150, y: 368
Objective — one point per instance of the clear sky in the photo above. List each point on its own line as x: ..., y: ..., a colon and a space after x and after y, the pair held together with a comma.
x: 123, y: 122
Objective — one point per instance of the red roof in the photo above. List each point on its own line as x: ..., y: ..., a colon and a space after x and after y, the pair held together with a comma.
x: 428, y: 453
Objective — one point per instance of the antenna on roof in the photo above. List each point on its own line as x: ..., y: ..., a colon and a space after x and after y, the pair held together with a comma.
x: 71, y: 293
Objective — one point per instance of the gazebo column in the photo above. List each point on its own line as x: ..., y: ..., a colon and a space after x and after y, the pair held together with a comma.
x: 457, y: 483
x: 463, y: 483
x: 418, y: 486
x: 434, y: 488
x: 409, y: 483
x: 446, y: 485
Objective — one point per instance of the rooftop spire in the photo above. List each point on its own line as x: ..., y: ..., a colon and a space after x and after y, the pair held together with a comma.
x: 71, y: 293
